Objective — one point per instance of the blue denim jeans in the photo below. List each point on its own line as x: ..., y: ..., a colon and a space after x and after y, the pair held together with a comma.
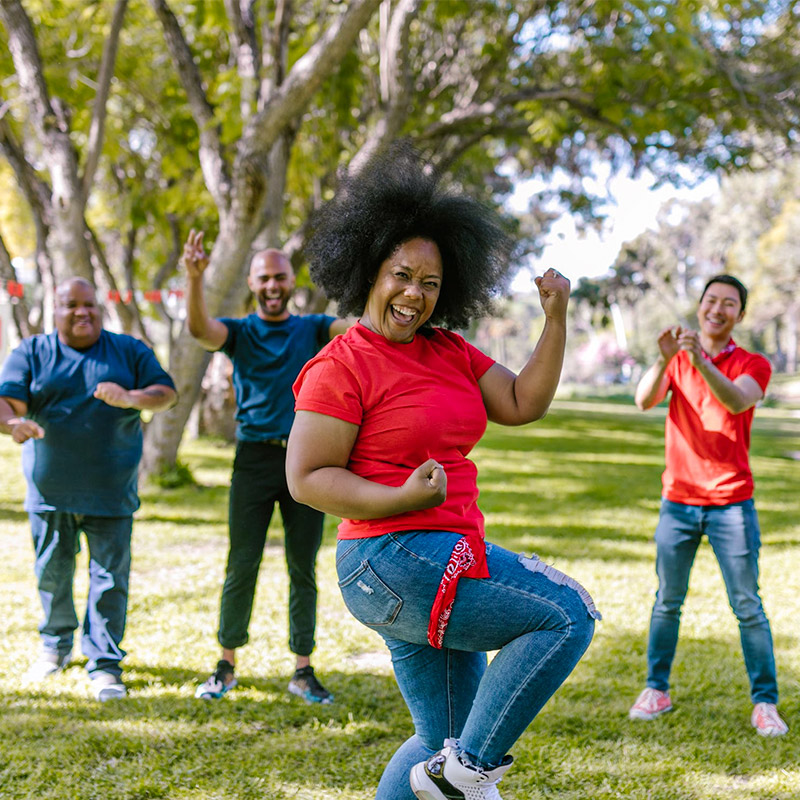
x: 258, y: 482
x: 538, y: 620
x: 735, y: 537
x: 56, y: 543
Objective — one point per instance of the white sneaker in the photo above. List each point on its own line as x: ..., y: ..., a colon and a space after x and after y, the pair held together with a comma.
x: 46, y: 665
x: 767, y: 721
x: 107, y: 686
x: 446, y: 775
x: 651, y: 703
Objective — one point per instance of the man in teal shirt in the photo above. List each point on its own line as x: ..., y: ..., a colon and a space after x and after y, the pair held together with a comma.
x: 72, y: 399
x: 268, y: 349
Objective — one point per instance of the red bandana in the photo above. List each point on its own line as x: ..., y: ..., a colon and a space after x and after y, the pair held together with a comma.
x: 467, y: 559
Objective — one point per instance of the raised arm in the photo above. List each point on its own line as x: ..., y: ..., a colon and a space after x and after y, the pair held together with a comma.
x: 316, y: 470
x: 209, y: 332
x: 14, y: 423
x: 516, y: 399
x: 653, y: 385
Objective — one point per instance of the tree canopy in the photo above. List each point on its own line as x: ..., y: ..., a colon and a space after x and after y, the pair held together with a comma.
x: 125, y: 124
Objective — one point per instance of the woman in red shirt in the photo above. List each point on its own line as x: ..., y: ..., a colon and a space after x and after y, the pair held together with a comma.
x: 386, y: 417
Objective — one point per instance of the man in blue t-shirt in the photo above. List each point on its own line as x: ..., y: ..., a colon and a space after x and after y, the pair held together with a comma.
x: 268, y: 350
x: 72, y: 399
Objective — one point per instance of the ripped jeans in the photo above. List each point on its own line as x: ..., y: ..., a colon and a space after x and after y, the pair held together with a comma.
x: 538, y: 620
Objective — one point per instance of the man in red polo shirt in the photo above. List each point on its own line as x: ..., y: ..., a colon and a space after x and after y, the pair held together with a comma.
x: 708, y: 490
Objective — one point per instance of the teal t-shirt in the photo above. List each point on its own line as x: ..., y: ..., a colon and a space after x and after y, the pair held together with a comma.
x: 267, y: 358
x: 88, y: 460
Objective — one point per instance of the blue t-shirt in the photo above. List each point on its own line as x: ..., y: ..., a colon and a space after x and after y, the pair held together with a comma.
x: 87, y: 461
x: 267, y: 358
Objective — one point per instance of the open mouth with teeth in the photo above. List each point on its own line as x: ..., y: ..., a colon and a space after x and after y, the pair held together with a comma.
x: 403, y: 314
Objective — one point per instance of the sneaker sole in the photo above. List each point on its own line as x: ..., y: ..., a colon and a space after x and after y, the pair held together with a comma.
x: 422, y: 786
x: 647, y: 716
x: 309, y: 698
x: 202, y: 694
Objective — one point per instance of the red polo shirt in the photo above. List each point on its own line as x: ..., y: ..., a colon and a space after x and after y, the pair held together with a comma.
x: 707, y: 447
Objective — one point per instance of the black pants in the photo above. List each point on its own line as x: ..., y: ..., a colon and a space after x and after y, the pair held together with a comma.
x: 258, y: 482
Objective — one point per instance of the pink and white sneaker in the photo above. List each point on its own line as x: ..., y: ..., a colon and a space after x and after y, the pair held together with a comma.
x: 651, y: 703
x: 767, y: 721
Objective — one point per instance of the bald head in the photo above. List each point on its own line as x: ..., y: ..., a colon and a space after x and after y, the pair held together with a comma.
x: 271, y: 279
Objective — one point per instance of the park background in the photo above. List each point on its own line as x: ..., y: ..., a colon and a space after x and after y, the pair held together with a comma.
x: 125, y: 123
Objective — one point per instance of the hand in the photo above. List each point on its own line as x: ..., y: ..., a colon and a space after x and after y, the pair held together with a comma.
x: 553, y: 293
x: 668, y: 342
x: 690, y: 342
x: 426, y: 486
x: 22, y: 429
x: 194, y: 258
x: 113, y: 394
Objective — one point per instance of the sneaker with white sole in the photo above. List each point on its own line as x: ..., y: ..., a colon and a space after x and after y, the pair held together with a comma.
x: 220, y: 681
x: 651, y: 703
x: 46, y: 665
x: 448, y: 775
x: 108, y: 686
x: 767, y: 721
x: 304, y: 684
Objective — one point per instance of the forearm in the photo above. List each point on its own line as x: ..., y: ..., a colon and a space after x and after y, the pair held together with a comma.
x: 536, y: 384
x: 652, y: 388
x: 198, y: 320
x: 7, y: 414
x: 342, y: 493
x: 152, y: 398
x: 734, y: 398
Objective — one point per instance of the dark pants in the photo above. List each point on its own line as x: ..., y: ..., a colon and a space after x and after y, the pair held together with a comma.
x: 258, y: 482
x: 56, y: 542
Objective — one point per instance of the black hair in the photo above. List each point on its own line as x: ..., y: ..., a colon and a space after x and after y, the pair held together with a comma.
x: 397, y: 197
x: 730, y: 281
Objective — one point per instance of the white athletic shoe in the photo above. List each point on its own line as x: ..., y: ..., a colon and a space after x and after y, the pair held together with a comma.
x: 448, y: 776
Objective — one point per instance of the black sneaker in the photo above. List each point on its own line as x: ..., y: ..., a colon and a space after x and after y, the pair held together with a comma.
x: 219, y: 682
x: 304, y: 684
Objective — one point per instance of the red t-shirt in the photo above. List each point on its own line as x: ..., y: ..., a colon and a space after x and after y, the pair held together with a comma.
x: 412, y: 402
x: 707, y: 446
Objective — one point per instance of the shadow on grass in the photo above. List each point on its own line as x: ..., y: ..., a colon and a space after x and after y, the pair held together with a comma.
x: 160, y: 737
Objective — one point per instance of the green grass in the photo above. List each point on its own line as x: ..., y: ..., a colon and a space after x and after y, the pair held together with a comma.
x: 580, y: 489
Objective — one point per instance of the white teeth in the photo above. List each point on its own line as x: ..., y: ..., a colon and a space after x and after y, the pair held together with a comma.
x: 404, y: 311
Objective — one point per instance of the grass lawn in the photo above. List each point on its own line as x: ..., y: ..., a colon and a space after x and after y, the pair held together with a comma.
x: 580, y: 488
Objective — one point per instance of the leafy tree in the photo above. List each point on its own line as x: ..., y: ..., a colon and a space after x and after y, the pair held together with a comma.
x: 275, y: 100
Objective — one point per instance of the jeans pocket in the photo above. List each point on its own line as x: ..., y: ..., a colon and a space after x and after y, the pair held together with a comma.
x: 368, y: 598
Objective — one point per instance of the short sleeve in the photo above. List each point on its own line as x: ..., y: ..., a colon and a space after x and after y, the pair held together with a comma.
x: 759, y: 369
x: 229, y: 345
x: 326, y: 386
x: 148, y: 370
x: 479, y: 362
x: 15, y: 377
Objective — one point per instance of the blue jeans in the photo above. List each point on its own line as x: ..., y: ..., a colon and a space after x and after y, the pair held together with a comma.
x: 540, y: 621
x: 258, y: 482
x: 56, y: 542
x: 735, y: 537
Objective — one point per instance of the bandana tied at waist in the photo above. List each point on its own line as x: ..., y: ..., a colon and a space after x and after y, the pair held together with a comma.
x: 468, y: 559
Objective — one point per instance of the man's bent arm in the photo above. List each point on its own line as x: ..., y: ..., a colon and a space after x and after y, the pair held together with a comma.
x: 157, y: 397
x: 653, y: 386
x: 14, y: 423
x: 209, y: 332
x: 736, y: 395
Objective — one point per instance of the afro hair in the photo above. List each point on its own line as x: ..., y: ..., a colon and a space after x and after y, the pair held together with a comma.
x: 397, y: 197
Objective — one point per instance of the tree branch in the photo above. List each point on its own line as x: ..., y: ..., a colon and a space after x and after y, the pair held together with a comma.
x: 244, y: 47
x: 20, y: 307
x: 212, y: 157
x: 305, y: 77
x: 276, y: 49
x: 98, y: 124
x: 395, y: 81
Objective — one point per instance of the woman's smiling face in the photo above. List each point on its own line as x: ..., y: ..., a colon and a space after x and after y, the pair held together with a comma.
x: 405, y: 291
